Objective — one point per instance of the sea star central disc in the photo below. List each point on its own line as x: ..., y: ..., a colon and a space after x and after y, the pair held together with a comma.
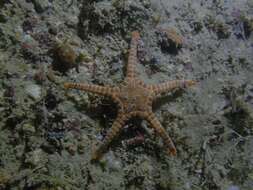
x: 135, y: 98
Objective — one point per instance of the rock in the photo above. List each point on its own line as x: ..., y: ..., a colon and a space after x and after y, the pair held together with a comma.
x: 248, y: 27
x: 218, y: 26
x: 170, y: 40
x: 41, y: 5
x: 4, y: 179
x: 29, y: 47
x: 53, y: 29
x: 29, y: 40
x: 81, y: 148
x: 28, y: 128
x: 71, y: 148
x: 3, y: 18
x: 33, y: 91
x: 233, y: 187
x: 36, y: 157
x: 112, y: 162
x: 65, y: 57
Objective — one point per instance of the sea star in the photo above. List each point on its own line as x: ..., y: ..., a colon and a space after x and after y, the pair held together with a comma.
x: 134, y: 99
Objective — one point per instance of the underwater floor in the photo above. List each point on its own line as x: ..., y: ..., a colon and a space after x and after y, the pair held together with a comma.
x: 48, y: 133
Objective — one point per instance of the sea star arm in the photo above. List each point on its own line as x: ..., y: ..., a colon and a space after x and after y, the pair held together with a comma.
x: 118, y: 124
x: 96, y: 89
x: 132, y: 57
x: 171, y: 85
x: 154, y: 123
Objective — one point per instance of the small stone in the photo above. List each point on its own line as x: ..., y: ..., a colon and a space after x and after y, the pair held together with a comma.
x: 197, y: 26
x: 188, y: 185
x: 53, y: 29
x: 222, y: 30
x: 41, y: 5
x: 48, y: 147
x: 36, y: 157
x: 71, y: 148
x: 113, y: 163
x: 28, y: 128
x: 3, y: 18
x: 248, y: 27
x: 233, y: 187
x: 64, y: 56
x: 29, y: 40
x: 40, y: 76
x: 34, y: 91
x: 4, y: 179
x: 170, y: 40
x: 80, y: 148
x: 29, y: 24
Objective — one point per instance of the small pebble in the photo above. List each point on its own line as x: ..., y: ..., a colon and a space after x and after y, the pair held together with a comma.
x: 170, y: 40
x: 28, y: 128
x: 233, y: 187
x: 71, y: 148
x: 41, y: 5
x: 36, y: 157
x: 80, y: 148
x: 113, y: 163
x: 33, y: 91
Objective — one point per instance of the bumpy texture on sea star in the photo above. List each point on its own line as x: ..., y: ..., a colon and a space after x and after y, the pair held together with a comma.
x: 134, y: 98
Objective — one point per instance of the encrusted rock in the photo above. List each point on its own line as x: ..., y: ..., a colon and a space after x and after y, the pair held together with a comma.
x: 65, y: 56
x: 34, y: 91
x: 112, y: 162
x: 36, y: 157
x: 68, y: 56
x: 28, y: 128
x: 4, y: 179
x: 71, y: 148
x: 170, y: 40
x: 248, y: 26
x: 41, y: 5
x: 218, y: 26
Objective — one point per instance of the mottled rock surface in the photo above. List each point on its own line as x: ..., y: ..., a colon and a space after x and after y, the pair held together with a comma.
x: 47, y: 134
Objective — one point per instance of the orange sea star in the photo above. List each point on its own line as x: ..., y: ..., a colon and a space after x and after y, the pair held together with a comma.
x: 134, y: 98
